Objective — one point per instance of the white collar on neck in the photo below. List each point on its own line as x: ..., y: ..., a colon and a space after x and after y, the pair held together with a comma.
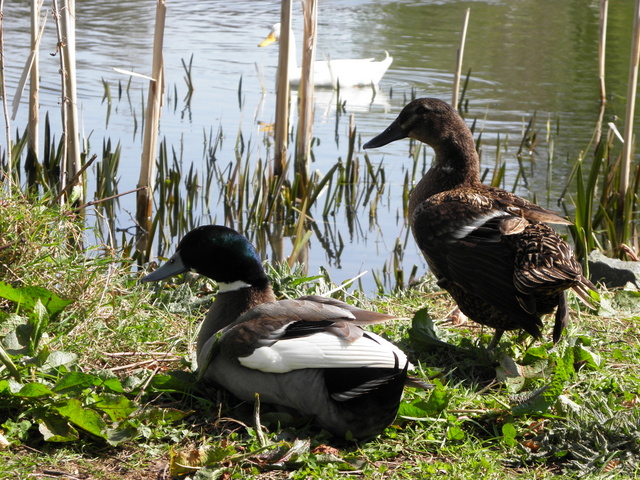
x: 232, y: 287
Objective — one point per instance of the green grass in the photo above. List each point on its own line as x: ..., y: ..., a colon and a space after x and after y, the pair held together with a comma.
x: 109, y: 377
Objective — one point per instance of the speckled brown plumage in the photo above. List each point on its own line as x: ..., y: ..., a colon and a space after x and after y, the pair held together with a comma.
x: 490, y: 249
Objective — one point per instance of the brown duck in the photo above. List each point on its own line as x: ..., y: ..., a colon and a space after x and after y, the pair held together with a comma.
x: 308, y: 354
x: 490, y: 249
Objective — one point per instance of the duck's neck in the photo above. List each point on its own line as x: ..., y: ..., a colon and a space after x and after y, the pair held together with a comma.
x: 292, y: 55
x: 228, y: 306
x: 456, y: 165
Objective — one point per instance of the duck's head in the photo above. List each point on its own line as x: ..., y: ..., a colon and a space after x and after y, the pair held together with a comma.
x: 217, y: 252
x: 274, y: 36
x: 428, y: 120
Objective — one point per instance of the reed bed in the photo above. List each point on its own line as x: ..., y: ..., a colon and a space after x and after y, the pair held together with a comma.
x: 245, y: 194
x: 250, y: 194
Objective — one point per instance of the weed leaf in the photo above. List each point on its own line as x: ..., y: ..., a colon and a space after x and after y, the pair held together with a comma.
x: 423, y: 331
x: 117, y: 407
x: 87, y: 419
x: 28, y: 296
x: 35, y: 390
x: 56, y: 429
x: 74, y: 382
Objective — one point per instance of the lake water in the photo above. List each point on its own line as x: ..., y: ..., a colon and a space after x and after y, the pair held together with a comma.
x: 525, y: 56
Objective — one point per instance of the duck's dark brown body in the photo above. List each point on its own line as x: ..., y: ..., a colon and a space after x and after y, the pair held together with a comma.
x: 490, y: 249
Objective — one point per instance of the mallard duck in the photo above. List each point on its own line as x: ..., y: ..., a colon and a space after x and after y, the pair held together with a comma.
x: 493, y: 251
x: 328, y: 73
x: 308, y: 354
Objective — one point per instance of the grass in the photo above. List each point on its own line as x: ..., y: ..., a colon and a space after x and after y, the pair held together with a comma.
x: 102, y: 387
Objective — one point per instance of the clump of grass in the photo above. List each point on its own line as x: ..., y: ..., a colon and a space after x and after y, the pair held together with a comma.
x: 132, y: 345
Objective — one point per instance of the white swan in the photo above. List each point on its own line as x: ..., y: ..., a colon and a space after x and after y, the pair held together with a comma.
x: 347, y: 72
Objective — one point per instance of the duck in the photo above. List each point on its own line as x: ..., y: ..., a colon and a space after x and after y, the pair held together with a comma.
x: 329, y: 73
x: 310, y: 354
x: 493, y: 251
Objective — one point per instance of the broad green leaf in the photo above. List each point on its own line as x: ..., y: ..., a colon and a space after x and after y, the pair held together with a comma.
x: 455, y: 433
x: 28, y: 296
x: 509, y: 434
x: 421, y: 409
x: 85, y: 418
x: 414, y: 411
x: 534, y: 354
x: 38, y: 319
x: 540, y: 400
x: 438, y: 400
x: 118, y: 407
x: 58, y: 359
x: 131, y: 383
x: 35, y: 390
x: 56, y: 429
x: 423, y: 331
x: 116, y: 436
x: 109, y: 381
x: 161, y: 415
x: 178, y: 381
x: 4, y: 387
x: 112, y: 384
x: 17, y: 430
x: 588, y: 356
x: 16, y: 341
x: 75, y: 382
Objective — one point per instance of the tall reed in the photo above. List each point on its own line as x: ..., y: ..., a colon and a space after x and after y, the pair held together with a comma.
x: 148, y: 165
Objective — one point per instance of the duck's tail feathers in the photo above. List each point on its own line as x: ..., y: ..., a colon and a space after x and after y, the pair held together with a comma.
x: 416, y: 382
x: 587, y: 293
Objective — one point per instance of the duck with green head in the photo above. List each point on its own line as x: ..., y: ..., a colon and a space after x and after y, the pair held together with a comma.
x: 308, y: 354
x: 492, y: 250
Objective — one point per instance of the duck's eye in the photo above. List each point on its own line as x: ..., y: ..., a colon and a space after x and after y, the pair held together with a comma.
x: 422, y: 110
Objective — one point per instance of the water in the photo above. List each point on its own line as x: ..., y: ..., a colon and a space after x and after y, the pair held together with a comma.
x: 525, y: 57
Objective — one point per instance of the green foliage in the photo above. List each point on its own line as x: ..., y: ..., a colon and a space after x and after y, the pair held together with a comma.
x: 605, y: 217
x: 58, y: 398
x: 73, y: 385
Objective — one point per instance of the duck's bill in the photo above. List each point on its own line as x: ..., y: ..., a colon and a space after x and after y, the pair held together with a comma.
x: 174, y: 266
x: 268, y: 41
x: 391, y: 134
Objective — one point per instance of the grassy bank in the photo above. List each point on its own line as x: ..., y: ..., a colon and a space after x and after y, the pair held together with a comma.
x: 97, y: 382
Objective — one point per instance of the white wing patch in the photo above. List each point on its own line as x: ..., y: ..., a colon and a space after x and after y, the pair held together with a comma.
x: 232, y: 287
x: 324, y: 350
x: 478, y: 222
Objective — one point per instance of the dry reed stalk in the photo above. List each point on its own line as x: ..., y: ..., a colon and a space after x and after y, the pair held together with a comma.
x: 459, y: 57
x: 627, y: 148
x: 34, y: 81
x: 146, y: 181
x: 604, y: 10
x: 70, y: 100
x: 602, y: 43
x: 282, y: 92
x: 305, y: 92
x: 63, y: 93
x: 3, y: 91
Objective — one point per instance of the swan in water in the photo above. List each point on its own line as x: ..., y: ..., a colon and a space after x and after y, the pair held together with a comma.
x: 328, y: 73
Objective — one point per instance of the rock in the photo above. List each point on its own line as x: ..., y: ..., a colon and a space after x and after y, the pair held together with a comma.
x: 612, y: 272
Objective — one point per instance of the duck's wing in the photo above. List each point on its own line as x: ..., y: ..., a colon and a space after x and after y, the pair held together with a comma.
x: 360, y: 316
x: 485, y: 246
x: 288, y: 335
x: 520, y: 207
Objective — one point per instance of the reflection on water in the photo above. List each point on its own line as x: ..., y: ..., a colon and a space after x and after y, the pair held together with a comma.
x: 524, y: 57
